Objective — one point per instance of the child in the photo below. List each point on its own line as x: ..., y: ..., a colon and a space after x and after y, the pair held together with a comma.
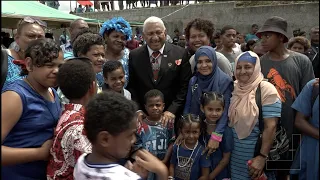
x: 212, y: 104
x: 187, y: 161
x: 114, y: 78
x: 111, y: 125
x: 151, y: 135
x: 77, y: 82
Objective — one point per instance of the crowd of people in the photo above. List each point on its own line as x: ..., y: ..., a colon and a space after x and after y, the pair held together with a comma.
x: 215, y: 108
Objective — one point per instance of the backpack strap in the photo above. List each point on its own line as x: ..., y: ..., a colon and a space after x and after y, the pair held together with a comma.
x: 259, y: 104
x: 4, y: 66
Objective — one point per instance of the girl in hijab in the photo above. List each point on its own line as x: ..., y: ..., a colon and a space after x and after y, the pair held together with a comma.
x: 243, y: 116
x: 208, y: 78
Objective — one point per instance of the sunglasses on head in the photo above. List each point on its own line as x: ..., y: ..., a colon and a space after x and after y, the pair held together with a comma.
x: 32, y: 20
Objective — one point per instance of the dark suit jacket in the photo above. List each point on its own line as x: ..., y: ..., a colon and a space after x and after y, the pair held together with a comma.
x: 172, y: 81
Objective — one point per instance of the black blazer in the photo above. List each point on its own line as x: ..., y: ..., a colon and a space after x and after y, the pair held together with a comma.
x: 172, y: 81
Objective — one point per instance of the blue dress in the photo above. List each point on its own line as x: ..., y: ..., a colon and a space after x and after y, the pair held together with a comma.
x: 35, y: 126
x: 308, y: 153
x: 226, y: 146
x: 191, y: 165
x: 13, y: 72
x: 244, y: 148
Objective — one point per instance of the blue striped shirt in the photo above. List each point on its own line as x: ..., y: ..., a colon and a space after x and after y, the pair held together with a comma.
x: 244, y: 148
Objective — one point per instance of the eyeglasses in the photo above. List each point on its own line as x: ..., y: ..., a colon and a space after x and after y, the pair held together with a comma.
x: 32, y: 20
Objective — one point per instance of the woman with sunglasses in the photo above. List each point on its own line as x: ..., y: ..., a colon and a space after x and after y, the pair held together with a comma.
x: 116, y: 32
x: 30, y: 111
x: 28, y: 30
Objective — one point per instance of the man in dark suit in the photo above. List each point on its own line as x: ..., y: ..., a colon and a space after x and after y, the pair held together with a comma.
x: 159, y: 65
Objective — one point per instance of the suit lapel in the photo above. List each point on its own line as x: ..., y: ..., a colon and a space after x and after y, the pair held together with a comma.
x: 164, y: 61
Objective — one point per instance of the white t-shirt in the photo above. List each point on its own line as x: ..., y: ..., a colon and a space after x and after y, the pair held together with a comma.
x: 83, y: 171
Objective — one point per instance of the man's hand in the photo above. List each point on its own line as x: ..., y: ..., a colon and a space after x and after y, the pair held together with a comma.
x: 168, y: 117
x: 140, y: 115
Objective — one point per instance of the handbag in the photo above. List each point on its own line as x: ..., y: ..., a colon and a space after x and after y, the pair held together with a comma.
x: 280, y: 146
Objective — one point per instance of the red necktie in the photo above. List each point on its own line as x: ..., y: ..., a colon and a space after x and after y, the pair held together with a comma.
x: 155, y: 64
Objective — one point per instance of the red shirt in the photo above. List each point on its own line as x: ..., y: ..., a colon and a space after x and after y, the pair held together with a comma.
x: 69, y: 143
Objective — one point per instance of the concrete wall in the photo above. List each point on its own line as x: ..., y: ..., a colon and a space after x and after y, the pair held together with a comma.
x: 303, y: 16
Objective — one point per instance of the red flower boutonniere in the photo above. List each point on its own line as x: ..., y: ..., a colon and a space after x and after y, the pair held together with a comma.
x: 178, y: 62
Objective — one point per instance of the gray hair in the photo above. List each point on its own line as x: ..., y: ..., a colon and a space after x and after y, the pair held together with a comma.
x: 153, y: 19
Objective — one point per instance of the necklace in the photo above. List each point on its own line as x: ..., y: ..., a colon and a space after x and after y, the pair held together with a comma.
x: 184, y: 142
x: 28, y: 82
x: 155, y: 123
x: 179, y: 164
x: 57, y: 104
x: 212, y: 124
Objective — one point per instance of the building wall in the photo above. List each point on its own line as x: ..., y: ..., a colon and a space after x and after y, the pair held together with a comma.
x: 303, y: 16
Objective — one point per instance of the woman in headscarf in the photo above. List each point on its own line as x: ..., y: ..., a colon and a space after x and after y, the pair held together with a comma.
x: 243, y: 116
x: 209, y: 77
x: 116, y: 32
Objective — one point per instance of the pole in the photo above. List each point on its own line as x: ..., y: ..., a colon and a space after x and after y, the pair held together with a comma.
x: 70, y: 7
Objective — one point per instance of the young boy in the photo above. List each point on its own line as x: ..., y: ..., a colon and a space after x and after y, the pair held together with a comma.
x: 77, y: 82
x: 114, y: 78
x: 151, y: 135
x: 110, y: 124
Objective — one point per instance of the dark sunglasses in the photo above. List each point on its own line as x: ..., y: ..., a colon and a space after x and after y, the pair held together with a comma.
x: 31, y: 20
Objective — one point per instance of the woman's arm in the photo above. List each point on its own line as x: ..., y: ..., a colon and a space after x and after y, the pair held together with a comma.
x: 258, y: 163
x: 222, y: 164
x: 11, y: 108
x: 224, y: 118
x: 187, y: 105
x: 301, y: 122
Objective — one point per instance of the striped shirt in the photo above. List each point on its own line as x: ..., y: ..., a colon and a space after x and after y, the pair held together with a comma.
x: 244, y: 148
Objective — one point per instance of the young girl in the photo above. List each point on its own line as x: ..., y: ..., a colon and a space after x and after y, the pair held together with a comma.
x: 187, y: 161
x: 212, y: 104
x: 114, y: 78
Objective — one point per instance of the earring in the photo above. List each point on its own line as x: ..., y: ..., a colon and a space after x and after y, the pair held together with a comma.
x: 16, y: 48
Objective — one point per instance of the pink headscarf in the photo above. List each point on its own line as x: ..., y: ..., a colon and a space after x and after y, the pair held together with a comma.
x: 243, y: 110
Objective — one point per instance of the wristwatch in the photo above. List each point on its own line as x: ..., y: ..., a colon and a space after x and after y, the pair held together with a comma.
x: 264, y: 156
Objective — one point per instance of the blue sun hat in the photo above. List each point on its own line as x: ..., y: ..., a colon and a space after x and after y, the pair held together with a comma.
x: 118, y: 24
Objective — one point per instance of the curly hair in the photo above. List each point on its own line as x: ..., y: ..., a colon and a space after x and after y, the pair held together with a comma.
x: 116, y: 24
x: 75, y: 77
x: 110, y: 66
x: 83, y: 43
x: 200, y: 24
x: 108, y: 111
x: 153, y: 93
x: 301, y: 40
x: 41, y: 51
